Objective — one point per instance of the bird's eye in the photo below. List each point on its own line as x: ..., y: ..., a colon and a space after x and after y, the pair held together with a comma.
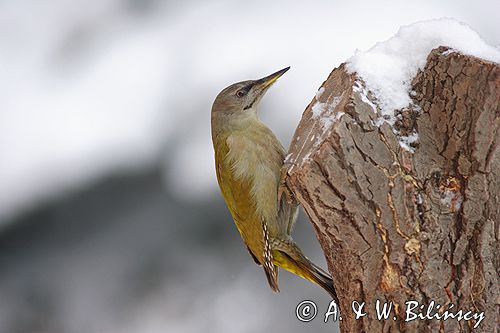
x: 240, y: 93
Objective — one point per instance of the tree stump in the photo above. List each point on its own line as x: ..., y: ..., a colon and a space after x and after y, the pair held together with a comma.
x: 417, y: 223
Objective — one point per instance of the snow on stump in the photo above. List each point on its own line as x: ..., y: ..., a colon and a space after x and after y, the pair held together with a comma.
x: 405, y: 198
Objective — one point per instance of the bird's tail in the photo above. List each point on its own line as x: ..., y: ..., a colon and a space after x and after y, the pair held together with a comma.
x: 288, y: 255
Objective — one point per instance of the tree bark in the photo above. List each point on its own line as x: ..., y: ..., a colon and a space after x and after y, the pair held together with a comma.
x: 401, y: 224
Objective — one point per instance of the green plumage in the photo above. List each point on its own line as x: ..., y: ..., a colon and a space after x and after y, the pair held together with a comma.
x: 248, y: 159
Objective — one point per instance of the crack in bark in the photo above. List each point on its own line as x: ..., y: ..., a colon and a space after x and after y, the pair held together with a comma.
x: 422, y: 225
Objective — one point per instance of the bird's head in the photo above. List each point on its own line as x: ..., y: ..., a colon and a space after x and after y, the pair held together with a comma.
x: 244, y: 96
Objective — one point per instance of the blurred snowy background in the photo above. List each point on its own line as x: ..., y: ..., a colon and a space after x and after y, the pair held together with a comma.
x: 110, y: 217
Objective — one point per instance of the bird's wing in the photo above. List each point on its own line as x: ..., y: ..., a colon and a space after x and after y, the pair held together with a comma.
x: 287, y: 214
x: 288, y: 205
x: 237, y: 192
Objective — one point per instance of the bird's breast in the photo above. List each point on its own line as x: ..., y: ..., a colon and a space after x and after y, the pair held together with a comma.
x: 258, y: 159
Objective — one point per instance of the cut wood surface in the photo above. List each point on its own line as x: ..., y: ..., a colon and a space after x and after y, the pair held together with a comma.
x: 402, y: 221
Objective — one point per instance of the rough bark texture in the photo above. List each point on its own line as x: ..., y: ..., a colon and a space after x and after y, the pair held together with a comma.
x: 397, y: 225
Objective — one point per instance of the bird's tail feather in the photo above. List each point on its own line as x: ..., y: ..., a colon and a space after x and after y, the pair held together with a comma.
x: 272, y: 280
x: 290, y: 257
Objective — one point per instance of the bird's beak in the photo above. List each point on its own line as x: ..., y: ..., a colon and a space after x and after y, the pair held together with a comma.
x: 266, y: 82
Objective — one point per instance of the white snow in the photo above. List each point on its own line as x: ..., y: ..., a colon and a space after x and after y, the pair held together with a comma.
x: 420, y: 200
x: 317, y: 109
x: 320, y: 92
x: 71, y: 70
x: 388, y: 67
x: 448, y: 52
x: 328, y: 121
x: 452, y: 199
x: 88, y: 87
x: 363, y: 93
x: 325, y: 110
x: 306, y: 157
x: 406, y: 141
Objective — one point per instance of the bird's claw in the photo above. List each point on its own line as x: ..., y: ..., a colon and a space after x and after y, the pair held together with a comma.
x: 283, y: 189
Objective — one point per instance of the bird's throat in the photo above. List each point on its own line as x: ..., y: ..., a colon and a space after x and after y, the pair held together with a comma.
x: 235, y: 121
